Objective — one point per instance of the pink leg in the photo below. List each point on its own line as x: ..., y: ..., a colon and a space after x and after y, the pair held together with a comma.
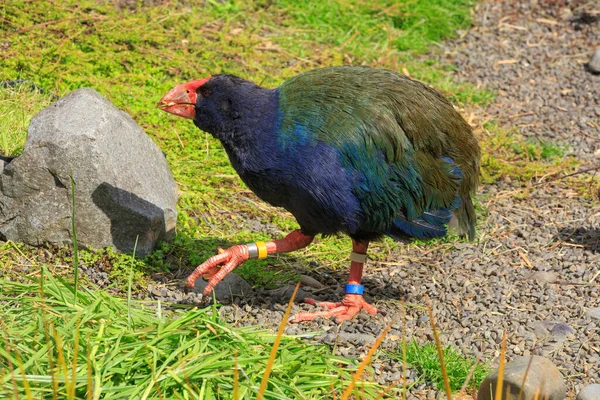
x: 236, y: 255
x: 351, y: 304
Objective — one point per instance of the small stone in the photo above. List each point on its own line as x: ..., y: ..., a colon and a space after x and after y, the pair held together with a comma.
x: 590, y: 392
x: 593, y: 313
x: 543, y: 277
x: 562, y: 330
x: 232, y: 285
x: 155, y: 291
x: 594, y: 64
x: 284, y: 294
x: 306, y: 280
x: 542, y: 375
x: 395, y: 376
x: 565, y: 13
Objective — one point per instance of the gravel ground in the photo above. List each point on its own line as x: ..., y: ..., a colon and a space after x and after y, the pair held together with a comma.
x: 534, y: 272
x: 534, y: 55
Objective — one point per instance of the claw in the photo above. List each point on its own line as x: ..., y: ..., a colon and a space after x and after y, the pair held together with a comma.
x: 217, y: 266
x: 342, y: 311
x: 210, y: 273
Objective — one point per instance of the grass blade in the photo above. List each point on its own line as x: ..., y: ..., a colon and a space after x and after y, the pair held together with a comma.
x: 265, y: 379
x: 74, y: 228
x: 236, y: 378
x: 439, y: 350
x: 404, y: 358
x: 130, y: 283
x: 520, y: 396
x: 500, y: 380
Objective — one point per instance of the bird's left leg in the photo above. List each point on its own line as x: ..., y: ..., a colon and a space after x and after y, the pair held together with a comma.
x: 353, y: 302
x: 236, y: 255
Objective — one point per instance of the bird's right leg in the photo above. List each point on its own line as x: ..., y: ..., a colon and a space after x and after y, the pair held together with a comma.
x: 236, y: 255
x: 353, y: 302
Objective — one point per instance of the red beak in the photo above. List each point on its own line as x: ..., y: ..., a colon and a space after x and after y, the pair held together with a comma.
x: 181, y: 100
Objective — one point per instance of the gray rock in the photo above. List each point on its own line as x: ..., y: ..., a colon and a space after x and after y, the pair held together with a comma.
x: 230, y: 287
x: 123, y: 186
x: 543, y: 277
x: 283, y: 294
x: 360, y: 339
x: 562, y: 330
x: 542, y: 374
x: 541, y: 329
x: 593, y: 313
x: 594, y: 64
x: 590, y: 392
x: 306, y: 280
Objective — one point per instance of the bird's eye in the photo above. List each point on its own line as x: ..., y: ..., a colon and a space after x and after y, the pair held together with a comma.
x: 204, y: 92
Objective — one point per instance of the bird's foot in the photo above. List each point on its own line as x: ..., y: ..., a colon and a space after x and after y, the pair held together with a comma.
x: 212, y: 270
x: 342, y: 311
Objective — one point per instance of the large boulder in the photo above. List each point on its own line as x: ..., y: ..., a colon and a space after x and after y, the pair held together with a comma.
x: 123, y: 186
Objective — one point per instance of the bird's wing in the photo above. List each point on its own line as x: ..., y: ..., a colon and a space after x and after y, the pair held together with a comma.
x: 403, y: 141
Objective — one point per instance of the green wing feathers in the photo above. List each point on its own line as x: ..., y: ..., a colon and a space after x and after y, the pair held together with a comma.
x: 389, y: 114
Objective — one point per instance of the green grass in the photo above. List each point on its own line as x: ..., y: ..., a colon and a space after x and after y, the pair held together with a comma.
x: 101, y: 346
x: 17, y: 107
x: 424, y: 359
x: 375, y: 27
x: 425, y: 22
x: 506, y: 153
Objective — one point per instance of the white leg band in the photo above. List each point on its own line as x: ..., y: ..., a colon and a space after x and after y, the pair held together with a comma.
x: 359, y: 258
x: 252, y: 250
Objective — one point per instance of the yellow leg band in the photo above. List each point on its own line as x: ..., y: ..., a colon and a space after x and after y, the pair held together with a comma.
x: 262, y: 250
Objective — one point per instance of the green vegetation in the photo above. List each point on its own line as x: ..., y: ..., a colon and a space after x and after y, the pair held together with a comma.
x: 416, y: 18
x: 506, y: 153
x: 17, y: 106
x: 137, y: 350
x: 425, y: 360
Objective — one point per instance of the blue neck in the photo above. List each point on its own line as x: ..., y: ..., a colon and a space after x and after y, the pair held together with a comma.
x: 251, y: 139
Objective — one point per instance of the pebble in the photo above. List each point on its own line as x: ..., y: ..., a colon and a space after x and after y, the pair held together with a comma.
x: 593, y: 313
x: 590, y: 392
x: 284, y: 294
x: 562, y: 330
x: 541, y: 375
x: 543, y: 277
x: 594, y: 64
x: 232, y: 286
x: 309, y: 281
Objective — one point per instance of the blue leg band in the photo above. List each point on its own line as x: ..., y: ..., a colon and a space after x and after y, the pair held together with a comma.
x: 352, y: 288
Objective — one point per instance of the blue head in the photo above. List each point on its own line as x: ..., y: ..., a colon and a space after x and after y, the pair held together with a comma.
x: 225, y: 106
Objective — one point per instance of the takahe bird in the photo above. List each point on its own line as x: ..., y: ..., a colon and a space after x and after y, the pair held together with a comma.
x: 355, y: 150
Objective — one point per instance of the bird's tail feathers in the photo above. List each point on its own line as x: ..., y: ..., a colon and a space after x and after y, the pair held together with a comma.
x: 430, y: 224
x: 458, y: 216
x: 464, y: 218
